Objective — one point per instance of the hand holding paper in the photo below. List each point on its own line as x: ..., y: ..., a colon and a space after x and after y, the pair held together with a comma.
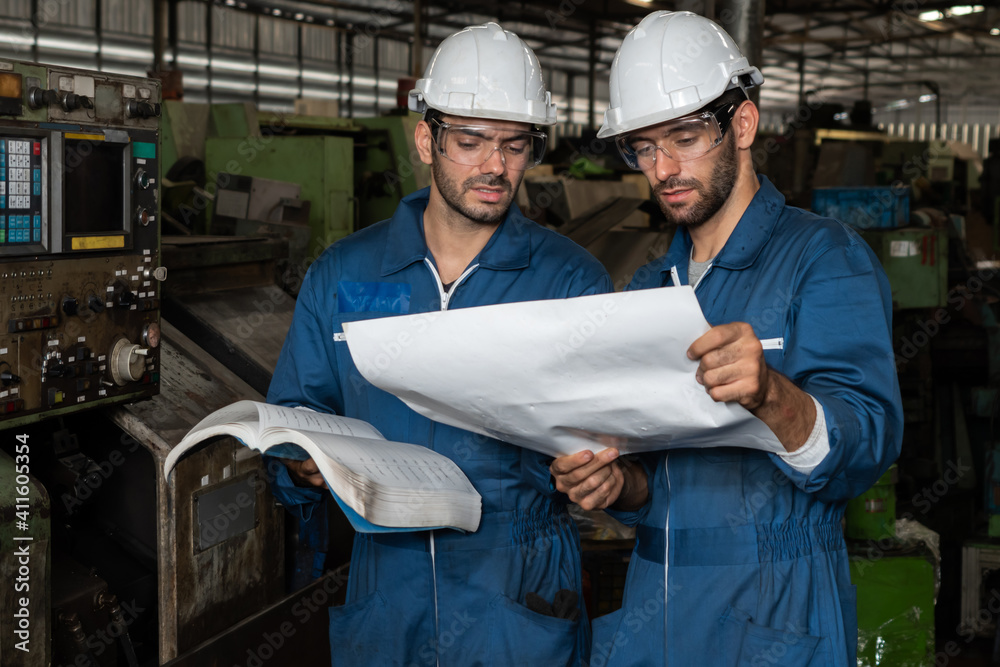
x: 559, y: 376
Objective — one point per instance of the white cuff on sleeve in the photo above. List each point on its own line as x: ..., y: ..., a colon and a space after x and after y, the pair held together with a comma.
x: 816, y: 447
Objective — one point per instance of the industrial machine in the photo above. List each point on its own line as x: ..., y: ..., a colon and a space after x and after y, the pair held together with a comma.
x: 352, y: 172
x: 79, y: 240
x: 79, y: 288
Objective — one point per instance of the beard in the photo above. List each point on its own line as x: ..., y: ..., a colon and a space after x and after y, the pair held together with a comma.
x: 454, y: 193
x: 711, y: 196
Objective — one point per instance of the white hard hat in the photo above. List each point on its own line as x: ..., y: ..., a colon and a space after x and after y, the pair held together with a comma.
x: 669, y: 65
x: 485, y: 71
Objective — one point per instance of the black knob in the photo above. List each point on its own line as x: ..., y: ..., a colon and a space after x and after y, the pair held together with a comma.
x: 70, y: 306
x: 70, y: 101
x: 126, y: 297
x: 8, y: 378
x: 56, y: 370
x: 94, y: 304
x: 137, y: 109
x: 39, y: 97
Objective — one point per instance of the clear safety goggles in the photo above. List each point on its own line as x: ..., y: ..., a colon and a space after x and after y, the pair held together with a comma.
x: 472, y: 145
x: 688, y: 138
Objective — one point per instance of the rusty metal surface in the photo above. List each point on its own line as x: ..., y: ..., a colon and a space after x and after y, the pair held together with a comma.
x: 243, y: 328
x: 215, y: 263
x: 201, y: 594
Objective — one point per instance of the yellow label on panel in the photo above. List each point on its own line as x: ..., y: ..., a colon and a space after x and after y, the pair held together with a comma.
x: 86, y: 137
x: 10, y: 85
x: 98, y: 242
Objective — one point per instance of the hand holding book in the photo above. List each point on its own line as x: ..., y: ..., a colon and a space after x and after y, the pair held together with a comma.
x: 382, y: 485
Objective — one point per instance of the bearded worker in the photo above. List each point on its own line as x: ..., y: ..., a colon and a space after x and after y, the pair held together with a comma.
x: 740, y: 557
x: 442, y: 597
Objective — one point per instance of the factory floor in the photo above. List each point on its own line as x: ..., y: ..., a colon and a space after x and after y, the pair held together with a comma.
x: 958, y: 653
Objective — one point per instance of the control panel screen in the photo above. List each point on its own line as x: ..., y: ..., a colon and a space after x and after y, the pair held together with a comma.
x: 94, y: 190
x: 20, y: 191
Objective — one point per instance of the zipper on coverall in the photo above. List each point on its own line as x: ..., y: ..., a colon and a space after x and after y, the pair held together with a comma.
x: 445, y: 299
x: 676, y: 279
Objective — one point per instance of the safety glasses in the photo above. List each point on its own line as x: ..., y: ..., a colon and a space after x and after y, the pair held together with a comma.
x: 472, y: 145
x: 688, y: 138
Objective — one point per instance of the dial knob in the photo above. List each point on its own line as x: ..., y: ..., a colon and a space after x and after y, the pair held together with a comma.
x: 94, y: 304
x: 70, y: 305
x: 128, y: 361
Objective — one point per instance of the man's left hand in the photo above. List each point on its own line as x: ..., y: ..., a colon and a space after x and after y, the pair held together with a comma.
x: 732, y: 366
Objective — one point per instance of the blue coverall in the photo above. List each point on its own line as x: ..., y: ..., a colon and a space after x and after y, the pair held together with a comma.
x: 751, y: 550
x: 441, y: 597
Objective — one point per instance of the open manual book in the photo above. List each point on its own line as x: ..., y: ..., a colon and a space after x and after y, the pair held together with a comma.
x: 381, y: 485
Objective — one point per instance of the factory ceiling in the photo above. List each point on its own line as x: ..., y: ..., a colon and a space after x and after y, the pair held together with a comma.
x: 892, y: 52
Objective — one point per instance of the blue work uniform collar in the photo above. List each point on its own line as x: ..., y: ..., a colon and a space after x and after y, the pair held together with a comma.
x: 747, y: 240
x: 508, y: 248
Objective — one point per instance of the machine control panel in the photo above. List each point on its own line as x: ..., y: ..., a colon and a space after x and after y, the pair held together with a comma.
x: 79, y: 240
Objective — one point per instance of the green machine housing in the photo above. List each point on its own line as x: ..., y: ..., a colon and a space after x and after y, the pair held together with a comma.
x: 353, y: 172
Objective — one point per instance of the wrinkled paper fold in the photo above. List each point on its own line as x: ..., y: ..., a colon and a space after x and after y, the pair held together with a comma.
x: 559, y: 376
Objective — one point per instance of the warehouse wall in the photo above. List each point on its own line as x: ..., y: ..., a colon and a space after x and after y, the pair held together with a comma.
x: 229, y: 55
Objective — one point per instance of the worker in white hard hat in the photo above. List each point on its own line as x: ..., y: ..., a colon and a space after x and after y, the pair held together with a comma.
x: 510, y: 592
x: 740, y: 558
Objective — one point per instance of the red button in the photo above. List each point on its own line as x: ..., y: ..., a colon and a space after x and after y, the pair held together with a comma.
x: 38, y: 148
x: 10, y: 407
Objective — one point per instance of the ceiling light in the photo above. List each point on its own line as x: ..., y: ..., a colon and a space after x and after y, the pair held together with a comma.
x: 957, y: 10
x: 930, y: 97
x: 995, y: 31
x: 963, y: 10
x: 897, y: 104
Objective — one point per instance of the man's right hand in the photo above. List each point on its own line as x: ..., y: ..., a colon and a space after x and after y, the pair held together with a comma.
x: 304, y: 473
x: 598, y: 481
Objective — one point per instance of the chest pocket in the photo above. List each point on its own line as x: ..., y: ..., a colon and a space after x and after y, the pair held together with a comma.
x: 355, y: 297
x: 358, y: 301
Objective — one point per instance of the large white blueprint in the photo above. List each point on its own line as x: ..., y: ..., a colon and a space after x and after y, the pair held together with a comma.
x: 559, y: 376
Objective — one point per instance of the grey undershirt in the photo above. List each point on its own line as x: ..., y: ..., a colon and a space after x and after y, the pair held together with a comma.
x: 696, y: 270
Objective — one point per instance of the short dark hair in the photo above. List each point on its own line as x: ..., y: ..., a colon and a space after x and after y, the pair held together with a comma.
x: 732, y: 96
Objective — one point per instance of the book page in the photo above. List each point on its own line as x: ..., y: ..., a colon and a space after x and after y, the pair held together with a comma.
x: 304, y: 419
x: 240, y: 411
x: 393, y: 464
